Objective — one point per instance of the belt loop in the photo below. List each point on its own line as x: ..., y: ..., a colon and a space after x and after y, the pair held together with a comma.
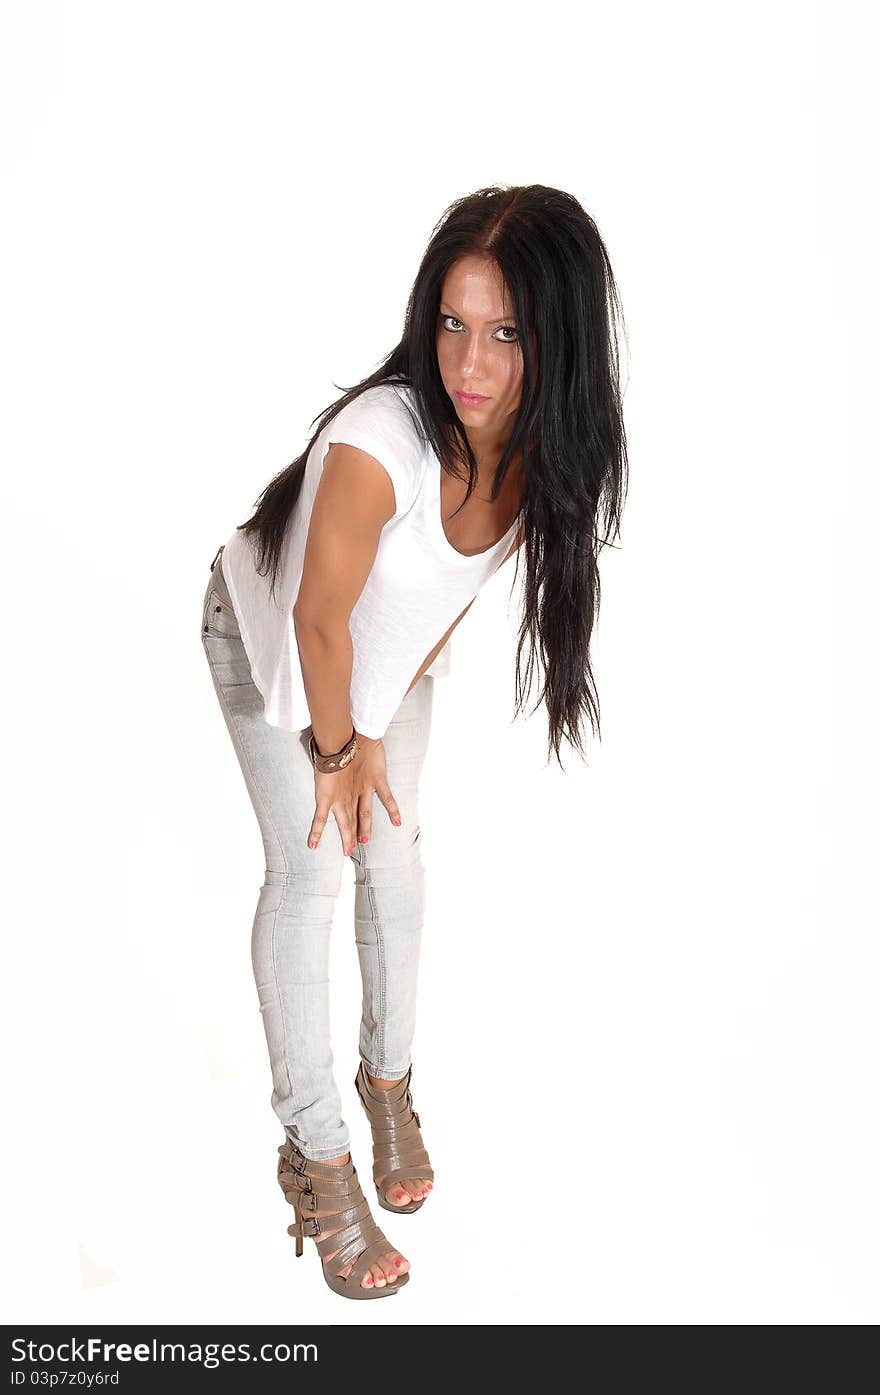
x: 217, y: 557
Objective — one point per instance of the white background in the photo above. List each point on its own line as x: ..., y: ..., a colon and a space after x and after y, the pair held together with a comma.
x: 646, y: 1053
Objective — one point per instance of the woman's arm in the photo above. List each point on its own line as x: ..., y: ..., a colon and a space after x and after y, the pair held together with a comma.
x: 354, y: 500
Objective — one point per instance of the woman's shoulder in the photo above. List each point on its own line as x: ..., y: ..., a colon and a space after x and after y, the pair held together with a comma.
x: 381, y: 421
x: 387, y: 404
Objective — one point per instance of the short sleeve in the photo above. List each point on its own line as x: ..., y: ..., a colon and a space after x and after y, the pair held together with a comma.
x: 379, y: 422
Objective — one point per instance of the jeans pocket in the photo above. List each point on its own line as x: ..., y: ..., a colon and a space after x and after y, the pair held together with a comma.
x: 218, y: 618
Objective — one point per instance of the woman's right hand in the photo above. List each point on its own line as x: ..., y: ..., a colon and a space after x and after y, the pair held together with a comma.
x: 349, y: 793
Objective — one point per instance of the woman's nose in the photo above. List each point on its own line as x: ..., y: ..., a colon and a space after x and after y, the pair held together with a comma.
x: 471, y: 359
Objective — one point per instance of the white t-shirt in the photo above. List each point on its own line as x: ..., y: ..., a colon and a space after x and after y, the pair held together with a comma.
x: 418, y: 584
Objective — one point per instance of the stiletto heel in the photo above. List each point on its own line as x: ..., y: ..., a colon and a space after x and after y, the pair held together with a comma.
x: 299, y: 1239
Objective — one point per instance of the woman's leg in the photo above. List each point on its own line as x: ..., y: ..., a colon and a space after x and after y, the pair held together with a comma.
x: 390, y: 896
x: 291, y: 931
x: 389, y: 912
x: 290, y: 943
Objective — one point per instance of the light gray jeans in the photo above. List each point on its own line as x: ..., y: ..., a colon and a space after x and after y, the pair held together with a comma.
x: 290, y: 942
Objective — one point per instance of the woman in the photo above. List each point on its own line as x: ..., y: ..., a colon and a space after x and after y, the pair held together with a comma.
x: 495, y: 424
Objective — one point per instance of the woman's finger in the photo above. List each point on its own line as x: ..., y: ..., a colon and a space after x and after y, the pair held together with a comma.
x: 345, y: 819
x: 318, y: 825
x: 365, y: 815
x: 383, y: 789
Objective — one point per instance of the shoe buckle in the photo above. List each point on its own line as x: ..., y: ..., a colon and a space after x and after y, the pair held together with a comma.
x: 417, y: 1119
x: 301, y: 1166
x: 313, y: 1201
x: 313, y: 1221
x: 306, y: 1181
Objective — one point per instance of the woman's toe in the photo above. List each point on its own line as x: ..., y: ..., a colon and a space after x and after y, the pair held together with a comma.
x: 378, y: 1275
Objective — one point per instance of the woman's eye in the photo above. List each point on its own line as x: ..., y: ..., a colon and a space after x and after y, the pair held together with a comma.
x: 504, y: 329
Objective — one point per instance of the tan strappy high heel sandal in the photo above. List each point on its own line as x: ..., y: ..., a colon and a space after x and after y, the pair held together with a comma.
x: 398, y: 1151
x: 312, y: 1186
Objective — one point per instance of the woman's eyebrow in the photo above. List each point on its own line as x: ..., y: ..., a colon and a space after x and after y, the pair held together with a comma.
x: 505, y: 319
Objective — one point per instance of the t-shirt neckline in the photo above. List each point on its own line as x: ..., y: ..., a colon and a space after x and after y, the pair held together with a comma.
x: 435, y: 502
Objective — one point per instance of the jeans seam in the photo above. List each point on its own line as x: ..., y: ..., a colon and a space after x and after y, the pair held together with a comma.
x: 384, y: 1073
x: 322, y: 1154
x: 280, y: 843
x: 380, y: 955
x: 205, y: 608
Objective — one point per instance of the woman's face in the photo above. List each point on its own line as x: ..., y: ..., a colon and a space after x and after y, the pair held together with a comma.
x: 478, y: 346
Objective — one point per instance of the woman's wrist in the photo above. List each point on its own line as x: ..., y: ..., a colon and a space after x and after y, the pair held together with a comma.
x: 324, y: 751
x: 331, y: 761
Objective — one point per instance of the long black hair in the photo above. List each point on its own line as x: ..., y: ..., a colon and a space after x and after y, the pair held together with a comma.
x: 569, y: 429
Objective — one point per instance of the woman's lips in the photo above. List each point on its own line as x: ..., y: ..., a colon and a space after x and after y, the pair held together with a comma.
x: 470, y: 399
